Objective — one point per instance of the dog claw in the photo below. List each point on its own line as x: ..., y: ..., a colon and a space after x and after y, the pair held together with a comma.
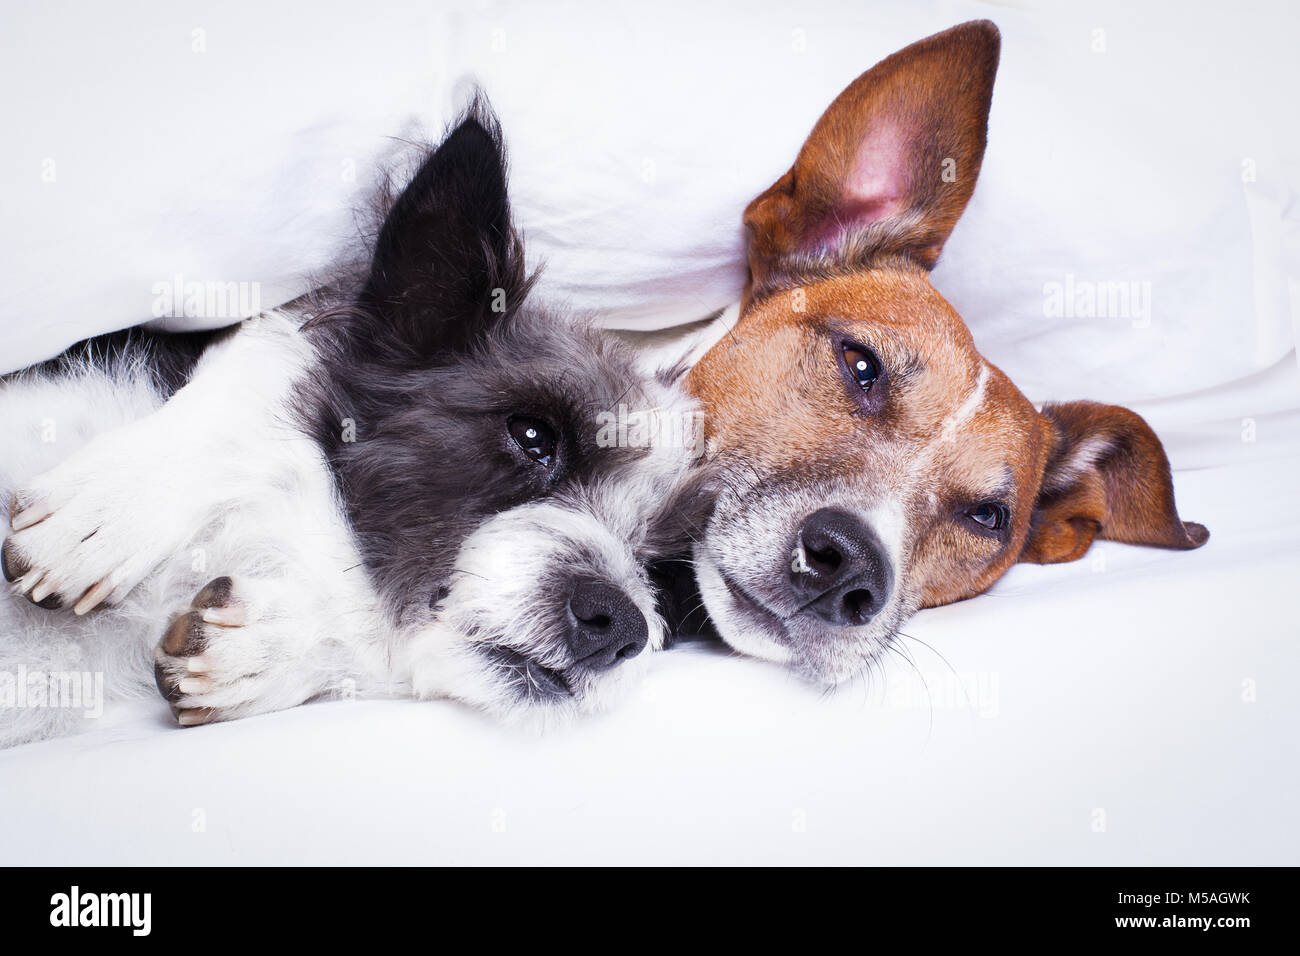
x: 193, y: 717
x: 93, y: 598
x: 42, y: 590
x: 195, y: 685
x: 234, y: 615
x: 34, y: 514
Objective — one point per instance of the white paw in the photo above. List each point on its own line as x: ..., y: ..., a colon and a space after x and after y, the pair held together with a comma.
x: 236, y: 650
x: 88, y: 531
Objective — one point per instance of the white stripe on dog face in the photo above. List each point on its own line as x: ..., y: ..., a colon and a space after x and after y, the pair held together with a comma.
x: 968, y: 408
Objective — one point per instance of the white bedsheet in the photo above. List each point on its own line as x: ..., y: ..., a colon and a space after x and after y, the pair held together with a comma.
x: 1136, y: 707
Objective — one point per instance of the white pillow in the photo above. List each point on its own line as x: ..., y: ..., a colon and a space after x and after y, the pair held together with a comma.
x: 237, y: 153
x: 1117, y: 167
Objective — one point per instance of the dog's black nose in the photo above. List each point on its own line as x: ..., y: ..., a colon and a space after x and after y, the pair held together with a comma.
x: 839, y: 571
x: 605, y: 627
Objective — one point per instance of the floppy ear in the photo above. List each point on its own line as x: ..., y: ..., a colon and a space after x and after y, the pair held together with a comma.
x: 1107, y: 477
x: 448, y: 264
x: 888, y: 168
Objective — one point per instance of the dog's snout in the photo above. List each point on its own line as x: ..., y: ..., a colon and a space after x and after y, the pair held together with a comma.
x: 605, y: 626
x: 839, y: 572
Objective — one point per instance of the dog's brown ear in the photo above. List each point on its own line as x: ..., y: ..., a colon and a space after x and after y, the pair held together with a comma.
x: 888, y: 168
x: 1107, y: 477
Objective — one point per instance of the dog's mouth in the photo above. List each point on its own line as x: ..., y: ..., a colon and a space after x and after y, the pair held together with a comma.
x: 534, y: 682
x: 745, y: 623
x: 754, y: 610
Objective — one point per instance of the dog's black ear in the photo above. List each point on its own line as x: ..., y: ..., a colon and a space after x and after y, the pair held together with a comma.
x: 448, y: 264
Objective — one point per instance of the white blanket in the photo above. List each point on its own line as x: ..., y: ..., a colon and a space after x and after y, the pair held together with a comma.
x: 1133, y: 708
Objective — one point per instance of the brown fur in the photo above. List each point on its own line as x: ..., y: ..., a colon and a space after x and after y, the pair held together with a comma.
x: 840, y: 246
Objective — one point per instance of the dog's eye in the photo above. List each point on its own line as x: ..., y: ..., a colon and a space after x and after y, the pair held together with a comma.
x: 862, y: 364
x: 990, y: 514
x: 534, y: 436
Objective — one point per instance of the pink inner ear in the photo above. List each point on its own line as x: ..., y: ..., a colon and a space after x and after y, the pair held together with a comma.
x: 874, y: 187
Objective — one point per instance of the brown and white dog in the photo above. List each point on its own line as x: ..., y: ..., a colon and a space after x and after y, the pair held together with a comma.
x: 870, y: 461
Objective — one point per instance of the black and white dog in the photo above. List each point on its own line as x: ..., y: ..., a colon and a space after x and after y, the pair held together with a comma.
x: 398, y: 487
